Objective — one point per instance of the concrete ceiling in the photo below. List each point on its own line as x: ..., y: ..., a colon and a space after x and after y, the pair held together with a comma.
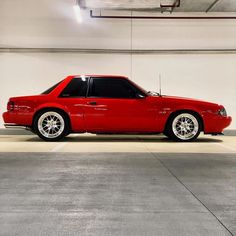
x: 147, y: 5
x: 204, y: 5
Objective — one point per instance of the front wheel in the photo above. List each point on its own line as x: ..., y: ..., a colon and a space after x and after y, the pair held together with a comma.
x: 51, y: 125
x: 184, y: 126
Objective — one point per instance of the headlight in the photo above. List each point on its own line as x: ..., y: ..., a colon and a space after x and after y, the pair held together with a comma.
x: 222, y: 112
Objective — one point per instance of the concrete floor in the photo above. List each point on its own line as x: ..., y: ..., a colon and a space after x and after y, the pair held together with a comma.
x: 117, y: 185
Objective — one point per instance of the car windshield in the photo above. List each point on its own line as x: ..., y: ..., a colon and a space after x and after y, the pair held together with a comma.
x: 137, y: 86
x: 52, y: 88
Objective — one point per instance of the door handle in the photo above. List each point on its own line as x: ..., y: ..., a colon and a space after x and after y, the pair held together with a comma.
x: 92, y: 103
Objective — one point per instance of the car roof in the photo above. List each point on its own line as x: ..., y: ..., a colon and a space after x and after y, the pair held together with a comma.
x: 102, y: 76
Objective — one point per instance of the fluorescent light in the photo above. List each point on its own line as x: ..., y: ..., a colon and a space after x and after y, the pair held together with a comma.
x: 78, y: 14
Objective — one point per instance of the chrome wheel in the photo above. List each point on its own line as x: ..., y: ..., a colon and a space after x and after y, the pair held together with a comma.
x: 51, y: 124
x: 185, y: 126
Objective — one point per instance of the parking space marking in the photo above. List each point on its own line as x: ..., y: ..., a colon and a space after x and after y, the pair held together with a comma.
x: 226, y: 147
x: 58, y: 147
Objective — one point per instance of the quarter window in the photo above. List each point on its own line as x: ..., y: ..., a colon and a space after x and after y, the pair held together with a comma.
x: 76, y: 88
x: 112, y: 88
x: 51, y: 89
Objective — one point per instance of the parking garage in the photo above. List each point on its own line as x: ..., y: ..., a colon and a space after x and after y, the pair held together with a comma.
x: 119, y: 183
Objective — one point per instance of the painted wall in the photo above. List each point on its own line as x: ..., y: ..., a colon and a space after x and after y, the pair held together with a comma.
x: 52, y: 24
x: 208, y: 77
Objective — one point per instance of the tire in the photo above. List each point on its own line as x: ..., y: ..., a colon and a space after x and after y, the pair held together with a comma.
x: 184, y: 127
x: 51, y: 125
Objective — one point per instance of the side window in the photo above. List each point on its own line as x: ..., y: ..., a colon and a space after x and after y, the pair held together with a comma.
x: 112, y: 88
x: 76, y: 88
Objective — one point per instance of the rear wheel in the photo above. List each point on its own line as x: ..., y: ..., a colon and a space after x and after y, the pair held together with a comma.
x: 51, y: 125
x: 184, y: 126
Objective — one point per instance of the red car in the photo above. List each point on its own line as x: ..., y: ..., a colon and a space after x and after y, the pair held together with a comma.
x: 112, y: 105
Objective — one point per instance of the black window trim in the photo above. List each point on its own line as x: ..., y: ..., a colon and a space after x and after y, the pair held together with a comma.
x: 132, y: 85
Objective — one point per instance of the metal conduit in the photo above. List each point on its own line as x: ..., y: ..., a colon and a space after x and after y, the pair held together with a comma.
x: 117, y: 51
x: 163, y: 17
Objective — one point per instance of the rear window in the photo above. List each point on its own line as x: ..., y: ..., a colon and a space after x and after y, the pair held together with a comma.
x: 51, y: 89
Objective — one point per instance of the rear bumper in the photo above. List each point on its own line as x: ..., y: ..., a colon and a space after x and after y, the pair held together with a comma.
x: 15, y: 126
x: 16, y: 119
x: 8, y: 117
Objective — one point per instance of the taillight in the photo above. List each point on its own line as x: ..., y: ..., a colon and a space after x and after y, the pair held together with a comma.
x: 10, y: 106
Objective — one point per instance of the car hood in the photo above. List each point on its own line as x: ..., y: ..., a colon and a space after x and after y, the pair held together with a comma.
x: 184, y: 100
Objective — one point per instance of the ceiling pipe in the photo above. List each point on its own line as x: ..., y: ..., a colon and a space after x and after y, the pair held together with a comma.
x: 164, y: 17
x: 212, y: 5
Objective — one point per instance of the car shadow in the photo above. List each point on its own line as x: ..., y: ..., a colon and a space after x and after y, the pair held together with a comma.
x: 124, y: 138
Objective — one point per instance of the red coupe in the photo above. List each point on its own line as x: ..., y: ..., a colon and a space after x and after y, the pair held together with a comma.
x: 112, y: 105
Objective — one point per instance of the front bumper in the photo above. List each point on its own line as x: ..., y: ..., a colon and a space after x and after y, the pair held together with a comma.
x: 217, y: 124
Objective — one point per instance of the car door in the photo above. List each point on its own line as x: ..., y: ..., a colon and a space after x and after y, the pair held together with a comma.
x: 115, y: 105
x: 72, y: 98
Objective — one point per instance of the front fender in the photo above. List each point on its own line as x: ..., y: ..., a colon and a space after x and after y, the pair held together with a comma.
x: 167, y: 112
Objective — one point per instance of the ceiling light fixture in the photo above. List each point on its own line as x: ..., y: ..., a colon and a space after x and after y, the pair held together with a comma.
x: 77, y: 11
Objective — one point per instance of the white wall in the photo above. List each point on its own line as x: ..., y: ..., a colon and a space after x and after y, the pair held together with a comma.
x: 208, y: 77
x: 52, y: 24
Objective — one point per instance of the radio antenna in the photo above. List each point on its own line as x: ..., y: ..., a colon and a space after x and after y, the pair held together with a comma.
x: 160, y: 84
